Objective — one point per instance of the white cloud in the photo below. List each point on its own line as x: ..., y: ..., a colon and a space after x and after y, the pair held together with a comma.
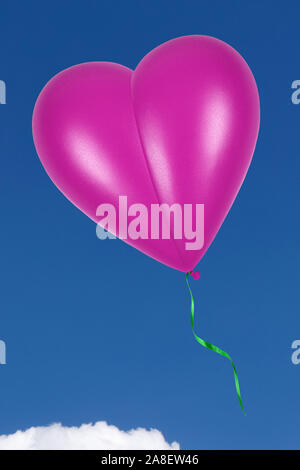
x: 98, y: 436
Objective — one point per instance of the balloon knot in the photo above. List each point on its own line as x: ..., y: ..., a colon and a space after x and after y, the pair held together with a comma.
x: 195, y: 275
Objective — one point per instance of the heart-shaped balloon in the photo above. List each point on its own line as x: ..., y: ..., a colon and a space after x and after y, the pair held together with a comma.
x: 180, y: 129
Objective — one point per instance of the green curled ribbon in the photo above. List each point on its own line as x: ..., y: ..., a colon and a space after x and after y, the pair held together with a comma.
x: 212, y: 347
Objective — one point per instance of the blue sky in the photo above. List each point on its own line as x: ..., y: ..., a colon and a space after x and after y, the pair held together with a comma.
x: 96, y: 330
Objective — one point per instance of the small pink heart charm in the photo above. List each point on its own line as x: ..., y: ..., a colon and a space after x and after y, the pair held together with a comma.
x: 195, y: 275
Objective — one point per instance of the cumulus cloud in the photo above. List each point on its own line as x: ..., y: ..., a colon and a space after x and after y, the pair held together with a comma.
x: 98, y: 436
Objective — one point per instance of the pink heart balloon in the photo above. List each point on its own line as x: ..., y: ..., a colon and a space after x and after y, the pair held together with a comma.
x: 181, y: 128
